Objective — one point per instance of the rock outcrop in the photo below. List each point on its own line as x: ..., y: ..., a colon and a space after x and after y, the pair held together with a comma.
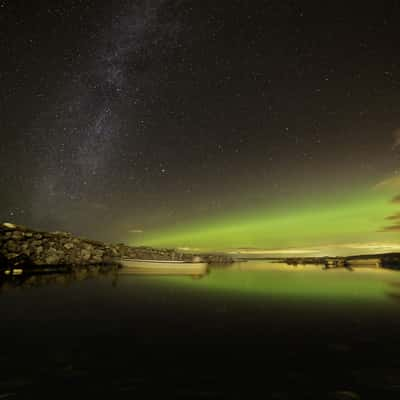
x: 20, y: 246
x: 23, y: 246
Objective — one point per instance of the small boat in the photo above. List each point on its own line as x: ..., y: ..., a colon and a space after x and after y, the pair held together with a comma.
x: 137, y: 260
x: 162, y: 267
x: 364, y: 262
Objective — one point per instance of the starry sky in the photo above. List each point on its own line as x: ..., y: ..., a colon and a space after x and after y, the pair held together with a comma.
x: 252, y: 126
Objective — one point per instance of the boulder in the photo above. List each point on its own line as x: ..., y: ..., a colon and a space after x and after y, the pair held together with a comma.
x: 85, y: 254
x: 52, y: 259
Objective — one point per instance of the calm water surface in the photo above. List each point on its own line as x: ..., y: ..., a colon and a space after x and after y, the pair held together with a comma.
x: 254, y: 328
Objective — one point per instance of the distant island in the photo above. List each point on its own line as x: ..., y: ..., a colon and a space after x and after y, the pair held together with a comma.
x: 386, y: 260
x: 22, y: 247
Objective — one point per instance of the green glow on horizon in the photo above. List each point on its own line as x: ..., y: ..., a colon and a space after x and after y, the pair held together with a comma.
x: 317, y: 222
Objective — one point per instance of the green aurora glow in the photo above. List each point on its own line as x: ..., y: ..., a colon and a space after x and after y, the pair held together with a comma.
x: 356, y: 217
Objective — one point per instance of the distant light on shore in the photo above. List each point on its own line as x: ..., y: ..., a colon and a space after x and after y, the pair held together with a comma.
x: 342, y: 249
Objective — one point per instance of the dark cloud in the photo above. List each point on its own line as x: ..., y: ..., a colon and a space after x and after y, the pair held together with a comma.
x: 391, y: 228
x: 396, y: 199
x: 394, y: 217
x: 396, y: 138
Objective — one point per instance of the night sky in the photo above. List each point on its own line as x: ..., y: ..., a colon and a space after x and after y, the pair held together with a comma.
x: 212, y: 125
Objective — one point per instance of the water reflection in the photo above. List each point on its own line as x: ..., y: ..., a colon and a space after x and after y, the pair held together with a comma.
x: 394, y: 291
x: 265, y: 281
x: 12, y: 279
x: 310, y: 330
x: 346, y: 267
x: 18, y: 278
x: 305, y: 284
x: 194, y: 270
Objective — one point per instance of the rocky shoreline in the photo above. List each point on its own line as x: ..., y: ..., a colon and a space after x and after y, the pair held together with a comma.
x: 28, y: 248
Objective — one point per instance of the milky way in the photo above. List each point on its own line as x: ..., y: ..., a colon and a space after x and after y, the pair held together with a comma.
x: 86, y: 125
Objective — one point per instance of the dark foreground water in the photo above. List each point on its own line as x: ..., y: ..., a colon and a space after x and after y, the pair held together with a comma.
x: 253, y: 330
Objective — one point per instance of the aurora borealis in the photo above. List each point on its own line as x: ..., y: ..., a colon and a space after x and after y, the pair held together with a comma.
x: 317, y: 226
x: 254, y: 127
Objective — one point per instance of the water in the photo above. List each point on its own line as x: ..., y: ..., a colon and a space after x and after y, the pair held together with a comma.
x: 254, y: 328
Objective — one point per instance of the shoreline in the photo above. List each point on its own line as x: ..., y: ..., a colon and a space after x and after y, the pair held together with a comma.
x: 39, y: 250
x: 384, y: 260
